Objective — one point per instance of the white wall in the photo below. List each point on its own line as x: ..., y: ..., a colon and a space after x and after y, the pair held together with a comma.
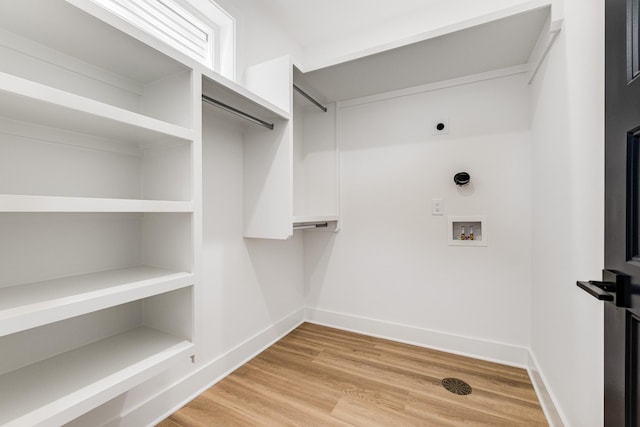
x: 391, y: 263
x: 567, y: 220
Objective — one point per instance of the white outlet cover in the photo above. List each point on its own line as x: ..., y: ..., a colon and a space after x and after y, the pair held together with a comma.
x: 434, y: 127
x: 437, y: 207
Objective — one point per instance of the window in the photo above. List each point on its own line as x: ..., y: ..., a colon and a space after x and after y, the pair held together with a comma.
x: 205, y: 32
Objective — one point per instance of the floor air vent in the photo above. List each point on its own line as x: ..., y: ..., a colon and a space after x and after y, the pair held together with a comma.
x: 456, y: 386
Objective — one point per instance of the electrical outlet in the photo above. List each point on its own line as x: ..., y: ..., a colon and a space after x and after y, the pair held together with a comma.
x: 437, y: 207
x: 440, y: 127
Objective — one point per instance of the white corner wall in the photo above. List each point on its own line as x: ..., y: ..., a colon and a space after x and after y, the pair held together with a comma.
x: 567, y: 221
x: 390, y: 271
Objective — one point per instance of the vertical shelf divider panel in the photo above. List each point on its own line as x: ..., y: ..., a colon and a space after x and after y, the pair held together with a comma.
x: 268, y: 183
x: 100, y: 209
x: 268, y: 157
x: 196, y: 303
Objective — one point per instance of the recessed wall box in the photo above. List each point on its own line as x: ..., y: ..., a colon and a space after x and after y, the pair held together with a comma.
x: 467, y: 231
x: 440, y: 127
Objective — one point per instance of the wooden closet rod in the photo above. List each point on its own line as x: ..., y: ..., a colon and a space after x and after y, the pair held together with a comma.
x: 313, y: 101
x: 237, y: 112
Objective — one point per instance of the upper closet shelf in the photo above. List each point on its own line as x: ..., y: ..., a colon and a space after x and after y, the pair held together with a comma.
x: 32, y: 203
x: 498, y: 43
x: 59, y: 389
x: 231, y: 94
x: 64, y: 31
x: 27, y: 101
x: 34, y: 304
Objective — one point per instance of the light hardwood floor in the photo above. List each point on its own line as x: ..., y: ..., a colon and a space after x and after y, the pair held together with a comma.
x: 319, y: 376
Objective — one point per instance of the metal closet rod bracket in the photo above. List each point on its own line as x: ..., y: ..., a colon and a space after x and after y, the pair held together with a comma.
x: 236, y: 112
x: 310, y: 98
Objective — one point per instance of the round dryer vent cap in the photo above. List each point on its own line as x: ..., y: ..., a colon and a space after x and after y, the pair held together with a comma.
x: 461, y: 178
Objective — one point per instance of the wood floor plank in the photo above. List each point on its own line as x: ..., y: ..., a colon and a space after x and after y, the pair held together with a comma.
x: 170, y: 423
x: 385, y: 373
x: 362, y: 413
x: 198, y: 413
x: 445, y: 412
x: 319, y: 376
x: 301, y: 392
x: 321, y: 379
x: 308, y: 409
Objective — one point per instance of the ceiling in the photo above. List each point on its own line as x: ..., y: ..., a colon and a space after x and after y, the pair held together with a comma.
x: 312, y: 21
x: 497, y: 44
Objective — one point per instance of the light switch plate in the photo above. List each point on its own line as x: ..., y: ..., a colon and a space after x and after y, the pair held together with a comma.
x: 437, y: 206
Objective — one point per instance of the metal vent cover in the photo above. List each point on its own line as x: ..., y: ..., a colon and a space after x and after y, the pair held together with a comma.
x: 456, y: 386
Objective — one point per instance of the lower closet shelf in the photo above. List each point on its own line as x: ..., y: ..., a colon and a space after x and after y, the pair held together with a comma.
x: 305, y: 219
x: 34, y: 304
x: 59, y: 389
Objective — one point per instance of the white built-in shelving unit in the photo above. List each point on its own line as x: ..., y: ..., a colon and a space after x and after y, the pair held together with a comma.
x: 101, y: 201
x: 291, y: 173
x: 99, y: 211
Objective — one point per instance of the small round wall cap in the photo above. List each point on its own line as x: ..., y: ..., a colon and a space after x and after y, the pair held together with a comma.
x: 462, y: 178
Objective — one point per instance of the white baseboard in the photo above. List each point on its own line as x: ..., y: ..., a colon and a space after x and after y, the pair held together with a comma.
x: 491, y: 351
x: 545, y: 396
x: 172, y: 398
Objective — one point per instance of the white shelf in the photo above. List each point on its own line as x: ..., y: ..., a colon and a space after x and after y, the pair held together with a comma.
x: 314, y: 219
x: 474, y: 46
x: 82, y: 30
x: 28, y: 203
x: 59, y: 389
x: 30, y: 305
x: 236, y: 96
x: 27, y: 101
